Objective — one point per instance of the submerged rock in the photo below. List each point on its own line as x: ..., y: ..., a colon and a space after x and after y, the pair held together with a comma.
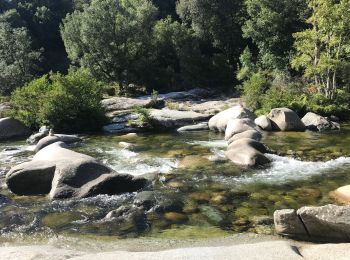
x: 316, y: 122
x: 12, y: 128
x: 285, y: 119
x: 219, y: 122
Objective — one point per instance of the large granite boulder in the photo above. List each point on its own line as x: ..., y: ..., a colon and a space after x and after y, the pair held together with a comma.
x: 11, y: 128
x: 285, y: 119
x: 247, y: 152
x: 31, y: 178
x: 237, y: 126
x: 250, y: 134
x: 316, y: 122
x: 68, y: 174
x: 329, y: 223
x: 170, y: 119
x: 264, y: 123
x: 219, y: 122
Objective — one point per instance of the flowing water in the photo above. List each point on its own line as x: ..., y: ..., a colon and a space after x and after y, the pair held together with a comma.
x: 218, y: 197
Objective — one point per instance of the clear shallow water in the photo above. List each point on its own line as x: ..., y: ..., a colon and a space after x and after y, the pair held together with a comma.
x: 219, y: 198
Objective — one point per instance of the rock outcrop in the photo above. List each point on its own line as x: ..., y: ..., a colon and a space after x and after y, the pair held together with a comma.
x: 170, y: 119
x: 316, y: 122
x: 329, y: 223
x: 285, y: 119
x: 12, y: 128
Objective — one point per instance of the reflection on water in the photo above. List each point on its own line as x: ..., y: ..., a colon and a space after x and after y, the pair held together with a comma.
x: 216, y: 197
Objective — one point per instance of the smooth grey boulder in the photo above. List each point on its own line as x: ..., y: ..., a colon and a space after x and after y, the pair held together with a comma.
x: 237, y: 126
x: 329, y: 223
x: 316, y: 122
x: 196, y: 127
x: 250, y: 134
x: 79, y: 175
x: 243, y: 142
x: 288, y: 223
x: 264, y: 123
x: 285, y: 119
x: 219, y: 122
x: 12, y: 128
x: 67, y: 139
x: 170, y: 119
x: 31, y: 178
x: 247, y: 152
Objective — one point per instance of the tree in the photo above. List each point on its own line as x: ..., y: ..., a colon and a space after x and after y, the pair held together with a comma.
x: 217, y: 25
x: 111, y: 39
x: 43, y: 18
x: 323, y: 50
x: 18, y: 59
x: 270, y: 26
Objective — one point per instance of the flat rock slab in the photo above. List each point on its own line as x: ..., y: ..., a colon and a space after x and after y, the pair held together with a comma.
x: 173, y: 118
x: 275, y: 250
x: 123, y: 103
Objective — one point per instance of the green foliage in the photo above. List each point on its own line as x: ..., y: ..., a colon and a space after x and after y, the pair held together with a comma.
x: 323, y: 50
x: 253, y: 89
x: 67, y: 103
x: 18, y: 59
x: 144, y: 118
x: 111, y: 39
x: 270, y: 25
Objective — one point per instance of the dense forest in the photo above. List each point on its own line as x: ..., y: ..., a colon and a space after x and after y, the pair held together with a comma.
x: 293, y: 53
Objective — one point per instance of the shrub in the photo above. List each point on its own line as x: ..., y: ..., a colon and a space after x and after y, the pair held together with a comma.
x: 253, y: 88
x: 70, y: 103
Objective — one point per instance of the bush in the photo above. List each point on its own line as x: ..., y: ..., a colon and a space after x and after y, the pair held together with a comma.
x: 253, y: 89
x: 70, y: 103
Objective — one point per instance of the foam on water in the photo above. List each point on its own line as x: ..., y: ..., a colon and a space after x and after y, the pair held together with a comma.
x: 285, y: 169
x: 129, y: 162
